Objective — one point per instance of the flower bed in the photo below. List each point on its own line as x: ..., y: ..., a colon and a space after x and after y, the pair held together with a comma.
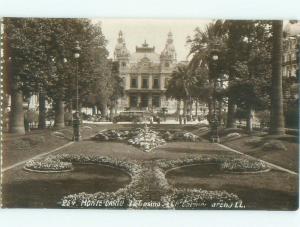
x: 228, y: 163
x: 115, y: 135
x: 146, y: 139
x: 167, y: 165
x: 179, y: 136
x: 145, y: 177
x: 49, y: 164
x: 243, y: 165
x: 199, y: 198
x: 64, y: 162
x: 134, y: 195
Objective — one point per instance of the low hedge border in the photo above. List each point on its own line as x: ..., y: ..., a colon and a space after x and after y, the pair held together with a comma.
x: 131, y: 195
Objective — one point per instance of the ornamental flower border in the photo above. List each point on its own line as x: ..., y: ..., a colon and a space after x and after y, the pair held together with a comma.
x: 131, y: 195
x: 240, y: 165
x: 227, y: 163
x: 145, y: 138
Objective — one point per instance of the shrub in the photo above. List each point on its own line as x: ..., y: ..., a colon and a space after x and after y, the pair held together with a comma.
x: 226, y: 131
x: 59, y: 134
x: 233, y: 135
x: 274, y: 145
x: 243, y: 165
x: 254, y: 141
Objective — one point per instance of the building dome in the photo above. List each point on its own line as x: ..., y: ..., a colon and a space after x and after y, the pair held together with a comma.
x: 120, y: 48
x: 169, y: 50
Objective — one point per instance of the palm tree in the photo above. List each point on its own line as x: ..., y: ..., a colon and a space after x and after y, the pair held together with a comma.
x: 181, y: 85
x: 203, y: 45
x: 277, y: 117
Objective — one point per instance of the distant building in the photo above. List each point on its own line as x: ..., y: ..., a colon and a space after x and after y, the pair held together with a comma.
x: 291, y: 60
x: 291, y: 50
x: 145, y: 74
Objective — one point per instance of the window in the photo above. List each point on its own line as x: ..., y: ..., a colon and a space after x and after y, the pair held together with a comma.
x: 133, y: 83
x: 166, y: 82
x: 156, y: 101
x: 145, y: 83
x: 123, y: 64
x: 155, y: 83
x: 133, y: 101
x: 144, y: 101
x: 167, y: 64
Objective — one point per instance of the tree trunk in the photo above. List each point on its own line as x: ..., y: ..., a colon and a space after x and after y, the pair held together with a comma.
x: 17, y: 113
x: 277, y: 117
x: 93, y: 110
x: 42, y: 110
x: 196, y: 108
x: 220, y: 106
x: 250, y: 117
x: 103, y: 109
x: 209, y: 116
x: 184, y: 107
x: 116, y: 108
x: 59, y: 114
x: 178, y: 109
x: 231, y: 122
x: 111, y: 113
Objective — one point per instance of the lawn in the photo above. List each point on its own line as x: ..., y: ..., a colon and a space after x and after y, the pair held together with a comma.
x: 287, y: 158
x: 273, y: 190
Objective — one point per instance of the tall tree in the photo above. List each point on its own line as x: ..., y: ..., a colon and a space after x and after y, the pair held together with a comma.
x: 249, y: 67
x: 180, y: 85
x: 202, y: 45
x: 277, y: 116
x: 40, y: 54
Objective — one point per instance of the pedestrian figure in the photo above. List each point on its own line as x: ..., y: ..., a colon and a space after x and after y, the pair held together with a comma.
x: 151, y: 120
x: 184, y: 120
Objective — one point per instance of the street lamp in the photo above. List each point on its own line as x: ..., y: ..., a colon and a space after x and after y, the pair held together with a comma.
x: 76, y: 120
x: 214, y: 121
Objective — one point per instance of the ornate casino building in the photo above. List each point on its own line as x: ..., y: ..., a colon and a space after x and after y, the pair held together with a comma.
x: 145, y: 75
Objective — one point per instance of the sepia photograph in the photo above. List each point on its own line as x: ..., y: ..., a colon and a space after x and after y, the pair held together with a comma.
x: 172, y: 114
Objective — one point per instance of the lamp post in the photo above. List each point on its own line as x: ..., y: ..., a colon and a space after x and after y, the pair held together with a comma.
x: 76, y: 120
x: 214, y: 121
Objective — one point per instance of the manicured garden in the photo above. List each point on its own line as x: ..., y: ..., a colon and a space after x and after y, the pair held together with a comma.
x: 280, y: 150
x: 180, y: 171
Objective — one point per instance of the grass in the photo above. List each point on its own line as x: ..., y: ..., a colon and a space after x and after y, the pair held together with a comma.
x: 257, y: 191
x: 16, y: 149
x: 40, y: 190
x: 288, y: 158
x: 270, y: 190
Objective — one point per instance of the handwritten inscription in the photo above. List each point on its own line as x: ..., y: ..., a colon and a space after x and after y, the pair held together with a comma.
x: 151, y: 204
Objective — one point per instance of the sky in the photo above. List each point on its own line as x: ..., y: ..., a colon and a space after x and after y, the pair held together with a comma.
x: 154, y: 31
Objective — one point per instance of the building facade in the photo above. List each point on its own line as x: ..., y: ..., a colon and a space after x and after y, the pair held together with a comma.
x: 290, y: 58
x: 145, y: 75
x: 291, y: 50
